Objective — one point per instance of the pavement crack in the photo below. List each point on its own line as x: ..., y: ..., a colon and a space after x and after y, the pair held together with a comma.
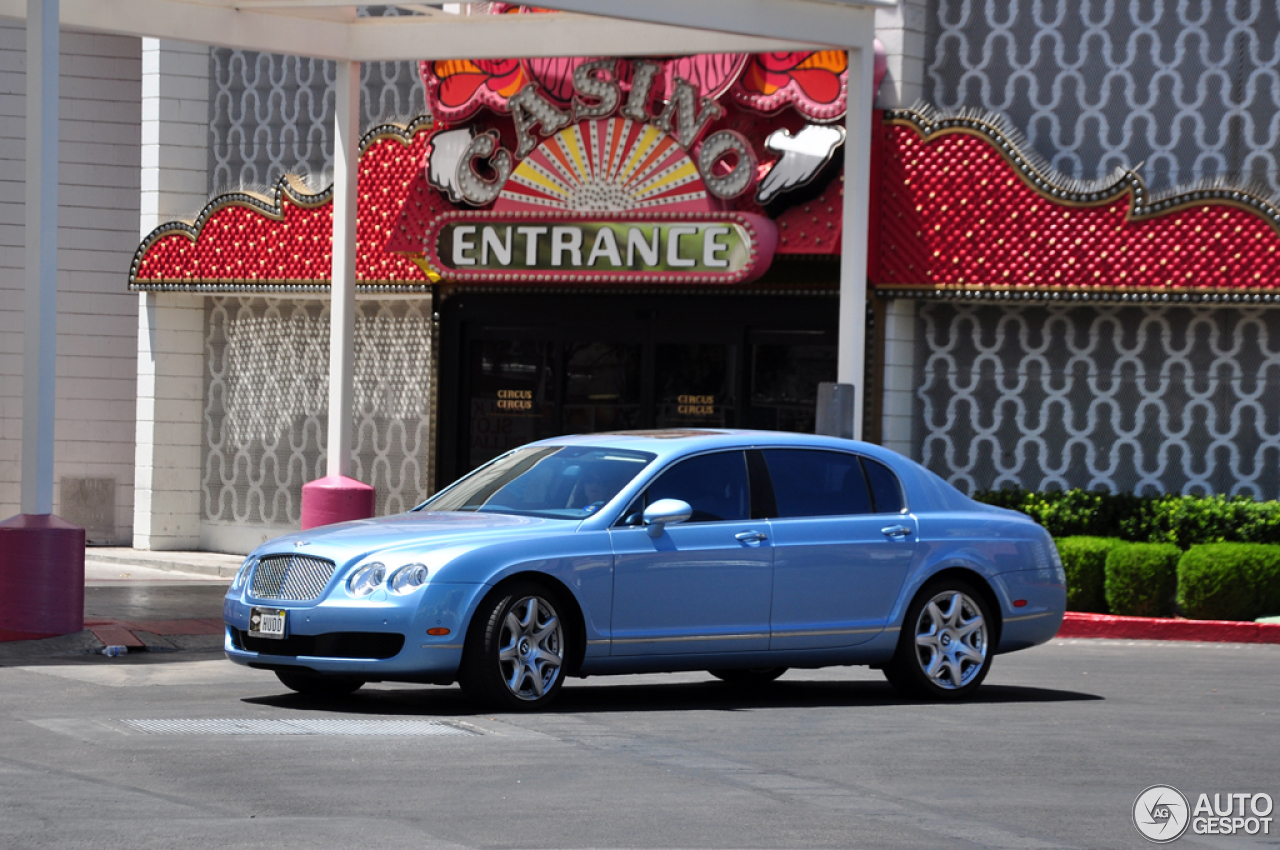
x: 114, y: 783
x: 790, y: 788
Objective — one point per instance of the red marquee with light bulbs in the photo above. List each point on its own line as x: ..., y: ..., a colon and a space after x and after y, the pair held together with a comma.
x: 698, y: 170
x: 685, y: 170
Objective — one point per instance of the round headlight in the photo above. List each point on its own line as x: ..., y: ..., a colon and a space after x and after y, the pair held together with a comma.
x: 243, y: 574
x: 367, y: 579
x: 408, y: 579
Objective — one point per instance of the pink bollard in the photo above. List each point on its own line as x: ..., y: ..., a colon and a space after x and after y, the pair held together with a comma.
x: 41, y: 577
x: 335, y: 498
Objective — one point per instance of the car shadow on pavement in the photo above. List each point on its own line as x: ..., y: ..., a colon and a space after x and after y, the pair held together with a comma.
x: 677, y: 696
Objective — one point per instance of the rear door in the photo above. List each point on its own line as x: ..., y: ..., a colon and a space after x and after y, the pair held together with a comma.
x: 842, y: 546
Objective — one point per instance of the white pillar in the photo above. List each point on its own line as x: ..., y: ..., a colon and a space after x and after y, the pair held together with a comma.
x: 853, y: 252
x: 167, y: 462
x: 342, y: 316
x: 40, y: 336
x: 897, y: 420
x: 901, y: 29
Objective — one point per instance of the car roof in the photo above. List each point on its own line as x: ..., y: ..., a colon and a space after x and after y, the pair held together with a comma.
x: 676, y: 442
x: 925, y: 490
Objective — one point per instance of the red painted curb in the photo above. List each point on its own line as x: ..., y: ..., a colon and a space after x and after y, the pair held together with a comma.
x: 178, y: 627
x: 117, y: 636
x: 1080, y: 625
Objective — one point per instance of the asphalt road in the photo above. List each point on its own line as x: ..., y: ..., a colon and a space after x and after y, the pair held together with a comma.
x: 1053, y: 753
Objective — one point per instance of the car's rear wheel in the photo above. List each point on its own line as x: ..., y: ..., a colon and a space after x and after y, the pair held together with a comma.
x: 318, y: 684
x: 749, y: 676
x: 944, y: 649
x: 516, y: 649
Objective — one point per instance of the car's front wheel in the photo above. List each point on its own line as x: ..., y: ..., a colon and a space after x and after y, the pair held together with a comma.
x: 944, y: 651
x: 318, y: 684
x: 516, y: 650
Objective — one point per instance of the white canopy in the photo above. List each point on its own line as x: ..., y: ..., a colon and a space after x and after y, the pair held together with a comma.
x: 331, y: 29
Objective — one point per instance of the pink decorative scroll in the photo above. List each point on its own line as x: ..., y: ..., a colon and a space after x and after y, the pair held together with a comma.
x: 814, y: 83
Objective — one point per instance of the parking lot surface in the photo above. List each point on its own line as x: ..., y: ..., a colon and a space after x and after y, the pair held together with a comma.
x: 184, y: 749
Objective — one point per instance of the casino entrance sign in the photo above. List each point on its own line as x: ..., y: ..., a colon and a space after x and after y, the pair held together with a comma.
x: 695, y: 248
x: 621, y: 171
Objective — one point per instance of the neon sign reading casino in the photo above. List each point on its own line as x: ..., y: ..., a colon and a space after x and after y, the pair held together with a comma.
x: 608, y: 187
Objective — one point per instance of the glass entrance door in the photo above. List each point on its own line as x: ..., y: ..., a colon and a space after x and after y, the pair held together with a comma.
x: 696, y: 385
x: 518, y: 368
x: 512, y: 399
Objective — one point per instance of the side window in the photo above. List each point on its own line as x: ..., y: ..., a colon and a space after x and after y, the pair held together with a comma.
x: 714, y: 485
x: 817, y: 483
x: 885, y: 489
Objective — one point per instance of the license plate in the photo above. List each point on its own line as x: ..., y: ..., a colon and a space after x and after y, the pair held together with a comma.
x: 267, y: 623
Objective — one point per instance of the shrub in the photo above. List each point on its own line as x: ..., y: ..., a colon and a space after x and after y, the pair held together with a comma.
x: 1229, y: 581
x: 1068, y: 513
x: 1182, y: 520
x: 1084, y: 559
x: 1190, y: 520
x: 1141, y: 579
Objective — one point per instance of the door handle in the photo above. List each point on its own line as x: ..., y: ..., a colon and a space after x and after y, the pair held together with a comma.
x: 896, y: 531
x: 751, y: 536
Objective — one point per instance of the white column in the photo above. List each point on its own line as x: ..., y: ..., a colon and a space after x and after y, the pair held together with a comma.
x: 166, y: 496
x: 342, y: 316
x: 853, y: 252
x: 40, y: 336
x: 167, y: 462
x: 897, y: 420
x: 901, y: 29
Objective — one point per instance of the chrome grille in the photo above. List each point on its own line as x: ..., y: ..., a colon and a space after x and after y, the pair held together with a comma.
x: 291, y: 578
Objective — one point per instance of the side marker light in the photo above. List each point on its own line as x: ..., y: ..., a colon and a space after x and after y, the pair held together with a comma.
x: 437, y: 632
x: 1019, y: 603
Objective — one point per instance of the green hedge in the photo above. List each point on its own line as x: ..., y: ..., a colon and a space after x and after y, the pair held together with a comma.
x: 1141, y: 579
x: 1084, y: 559
x: 1184, y: 521
x: 1229, y: 581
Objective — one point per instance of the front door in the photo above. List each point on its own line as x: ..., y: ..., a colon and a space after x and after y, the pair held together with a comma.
x: 702, y: 585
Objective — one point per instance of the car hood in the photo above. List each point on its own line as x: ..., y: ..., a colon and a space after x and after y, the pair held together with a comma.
x: 412, y: 531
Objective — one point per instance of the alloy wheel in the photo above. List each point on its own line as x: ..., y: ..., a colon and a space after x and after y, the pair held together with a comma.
x: 951, y: 640
x: 531, y: 648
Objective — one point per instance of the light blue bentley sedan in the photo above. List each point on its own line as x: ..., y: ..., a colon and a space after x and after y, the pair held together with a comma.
x: 742, y: 553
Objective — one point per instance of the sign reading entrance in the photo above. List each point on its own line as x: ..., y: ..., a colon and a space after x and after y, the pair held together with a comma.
x: 612, y: 248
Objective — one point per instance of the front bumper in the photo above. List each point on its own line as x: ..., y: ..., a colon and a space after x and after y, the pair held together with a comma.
x: 347, y: 628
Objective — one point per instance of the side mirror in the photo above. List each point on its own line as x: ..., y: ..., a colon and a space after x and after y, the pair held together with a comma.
x: 665, y: 511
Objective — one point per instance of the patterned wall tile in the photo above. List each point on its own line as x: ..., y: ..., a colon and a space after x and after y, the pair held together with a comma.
x: 1190, y: 89
x: 267, y: 399
x: 270, y: 115
x: 1141, y: 399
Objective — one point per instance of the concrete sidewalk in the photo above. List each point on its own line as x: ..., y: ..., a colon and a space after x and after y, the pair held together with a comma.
x: 147, y: 601
x: 212, y: 564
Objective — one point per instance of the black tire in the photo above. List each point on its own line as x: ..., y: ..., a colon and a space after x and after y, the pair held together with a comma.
x: 748, y: 676
x: 515, y: 656
x: 318, y: 684
x: 943, y: 652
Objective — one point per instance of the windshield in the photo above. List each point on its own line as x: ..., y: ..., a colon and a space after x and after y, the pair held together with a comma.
x: 560, y: 482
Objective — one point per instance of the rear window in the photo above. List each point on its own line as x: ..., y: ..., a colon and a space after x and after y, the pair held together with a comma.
x: 885, y: 489
x: 817, y: 483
